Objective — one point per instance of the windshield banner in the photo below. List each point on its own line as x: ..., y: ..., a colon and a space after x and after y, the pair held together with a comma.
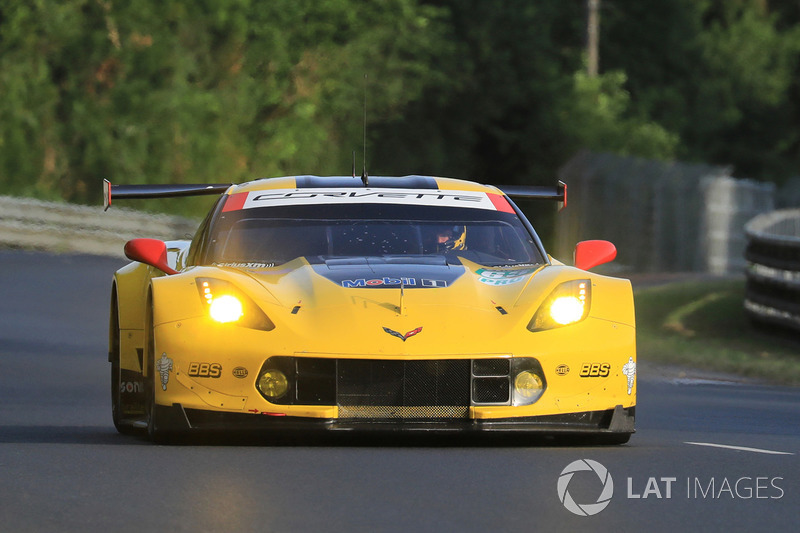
x: 288, y: 197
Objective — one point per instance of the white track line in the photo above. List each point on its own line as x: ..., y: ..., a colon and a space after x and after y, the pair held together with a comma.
x: 740, y: 448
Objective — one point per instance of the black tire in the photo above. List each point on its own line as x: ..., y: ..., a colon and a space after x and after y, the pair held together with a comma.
x: 123, y: 426
x: 158, y: 429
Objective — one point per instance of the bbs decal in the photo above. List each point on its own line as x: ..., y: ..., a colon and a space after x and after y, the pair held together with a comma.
x: 205, y: 370
x: 595, y: 370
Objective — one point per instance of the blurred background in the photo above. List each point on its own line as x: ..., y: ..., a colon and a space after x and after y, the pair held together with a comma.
x: 639, y: 106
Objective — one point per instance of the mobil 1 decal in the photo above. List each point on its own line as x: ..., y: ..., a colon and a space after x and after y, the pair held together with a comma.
x: 390, y: 282
x: 377, y: 275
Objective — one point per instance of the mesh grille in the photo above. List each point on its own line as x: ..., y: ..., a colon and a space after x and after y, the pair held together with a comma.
x: 491, y: 390
x: 399, y: 411
x: 363, y: 382
x: 490, y: 367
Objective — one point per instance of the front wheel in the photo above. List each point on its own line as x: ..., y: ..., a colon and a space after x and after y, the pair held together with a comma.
x: 158, y: 428
x: 123, y: 392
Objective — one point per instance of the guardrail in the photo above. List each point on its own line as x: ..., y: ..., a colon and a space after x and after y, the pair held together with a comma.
x: 34, y: 224
x: 773, y: 268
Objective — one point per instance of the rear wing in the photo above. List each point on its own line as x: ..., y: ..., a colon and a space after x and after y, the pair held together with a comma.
x: 525, y: 192
x: 557, y: 192
x: 158, y: 191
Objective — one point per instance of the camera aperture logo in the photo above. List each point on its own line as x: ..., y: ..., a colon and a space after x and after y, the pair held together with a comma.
x: 591, y: 508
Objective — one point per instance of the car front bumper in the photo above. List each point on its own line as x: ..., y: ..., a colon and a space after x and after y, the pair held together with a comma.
x: 618, y: 421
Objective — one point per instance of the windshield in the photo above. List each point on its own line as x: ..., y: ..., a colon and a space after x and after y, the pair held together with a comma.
x: 276, y: 235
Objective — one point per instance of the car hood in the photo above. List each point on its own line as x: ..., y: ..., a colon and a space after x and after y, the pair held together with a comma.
x: 375, y: 305
x: 378, y: 305
x: 383, y: 282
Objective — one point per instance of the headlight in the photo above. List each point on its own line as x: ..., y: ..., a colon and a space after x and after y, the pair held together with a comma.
x: 273, y: 384
x: 567, y: 304
x: 528, y: 383
x: 226, y: 309
x: 228, y: 305
x: 566, y: 310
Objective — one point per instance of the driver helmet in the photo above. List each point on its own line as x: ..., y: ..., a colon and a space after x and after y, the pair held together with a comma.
x: 451, y: 238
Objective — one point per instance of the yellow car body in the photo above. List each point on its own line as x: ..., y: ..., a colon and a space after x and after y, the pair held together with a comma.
x: 436, y: 342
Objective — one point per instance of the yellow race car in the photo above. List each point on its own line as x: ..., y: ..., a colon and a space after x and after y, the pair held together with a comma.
x: 376, y: 304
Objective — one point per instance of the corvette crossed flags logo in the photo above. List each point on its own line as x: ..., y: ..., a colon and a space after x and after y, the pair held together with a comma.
x: 400, y: 335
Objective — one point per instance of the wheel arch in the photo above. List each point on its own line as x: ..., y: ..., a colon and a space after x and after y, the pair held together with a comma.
x: 129, y: 296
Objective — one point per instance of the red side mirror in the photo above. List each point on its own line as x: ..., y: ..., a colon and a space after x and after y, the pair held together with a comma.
x: 151, y: 252
x: 589, y: 254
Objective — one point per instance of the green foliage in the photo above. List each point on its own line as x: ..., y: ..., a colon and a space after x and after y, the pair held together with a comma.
x: 229, y: 90
x: 601, y: 113
x: 509, y: 68
x: 181, y: 91
x: 717, y: 73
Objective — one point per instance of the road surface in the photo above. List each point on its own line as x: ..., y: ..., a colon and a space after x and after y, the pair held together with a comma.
x: 707, y: 455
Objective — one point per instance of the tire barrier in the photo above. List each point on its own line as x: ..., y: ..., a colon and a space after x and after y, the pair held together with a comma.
x: 773, y: 268
x: 56, y: 227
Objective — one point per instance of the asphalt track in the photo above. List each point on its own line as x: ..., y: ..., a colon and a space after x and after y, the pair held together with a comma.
x: 64, y: 468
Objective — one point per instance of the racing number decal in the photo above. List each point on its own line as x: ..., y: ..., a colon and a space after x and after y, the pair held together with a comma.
x: 595, y: 370
x: 205, y: 370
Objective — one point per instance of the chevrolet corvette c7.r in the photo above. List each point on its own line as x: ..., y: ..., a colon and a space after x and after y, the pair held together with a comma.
x: 399, y: 304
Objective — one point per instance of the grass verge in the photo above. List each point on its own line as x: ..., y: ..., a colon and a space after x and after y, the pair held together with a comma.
x: 703, y: 325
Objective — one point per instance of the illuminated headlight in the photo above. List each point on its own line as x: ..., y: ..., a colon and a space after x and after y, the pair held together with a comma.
x: 273, y: 384
x: 226, y: 309
x: 567, y: 304
x: 566, y: 310
x: 228, y: 305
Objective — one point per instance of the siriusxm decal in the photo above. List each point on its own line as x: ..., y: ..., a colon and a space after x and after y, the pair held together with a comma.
x: 497, y: 277
x: 392, y: 282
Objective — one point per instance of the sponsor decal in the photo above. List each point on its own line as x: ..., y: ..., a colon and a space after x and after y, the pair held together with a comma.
x: 585, y: 509
x: 240, y: 372
x: 400, y: 335
x: 164, y: 367
x: 131, y: 387
x: 497, y: 277
x: 205, y: 370
x: 385, y: 281
x: 518, y: 265
x: 245, y: 265
x: 317, y: 196
x: 391, y: 282
x: 376, y: 273
x: 629, y: 370
x: 562, y: 370
x: 595, y: 370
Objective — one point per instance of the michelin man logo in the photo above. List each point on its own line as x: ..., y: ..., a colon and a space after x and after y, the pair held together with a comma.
x: 585, y: 509
x: 164, y: 367
x: 629, y: 369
